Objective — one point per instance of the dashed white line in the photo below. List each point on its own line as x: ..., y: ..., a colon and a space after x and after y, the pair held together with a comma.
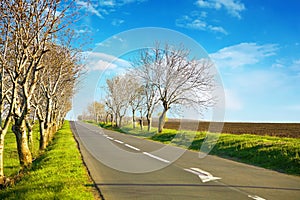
x: 255, y: 197
x: 118, y: 141
x: 109, y: 138
x: 132, y: 147
x: 156, y: 157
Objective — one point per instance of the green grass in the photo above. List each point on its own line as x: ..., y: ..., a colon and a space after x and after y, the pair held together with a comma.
x: 11, y: 159
x: 275, y: 153
x: 56, y: 174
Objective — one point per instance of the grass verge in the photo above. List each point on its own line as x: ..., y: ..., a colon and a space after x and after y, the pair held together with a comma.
x: 11, y: 159
x: 275, y: 153
x: 56, y: 174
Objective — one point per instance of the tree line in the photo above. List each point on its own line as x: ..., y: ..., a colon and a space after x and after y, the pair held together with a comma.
x: 160, y: 78
x: 39, y: 71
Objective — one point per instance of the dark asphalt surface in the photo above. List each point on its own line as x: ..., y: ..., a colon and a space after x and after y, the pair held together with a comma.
x: 127, y: 167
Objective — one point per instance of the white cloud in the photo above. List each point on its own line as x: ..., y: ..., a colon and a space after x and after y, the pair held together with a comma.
x: 233, y: 7
x: 289, y: 66
x: 278, y: 64
x: 296, y: 65
x: 117, y: 22
x: 82, y: 31
x: 217, y: 29
x: 197, y: 22
x: 243, y: 54
x: 89, y: 8
x: 118, y: 38
x: 118, y: 3
x: 107, y: 3
x: 101, y: 61
x: 104, y: 7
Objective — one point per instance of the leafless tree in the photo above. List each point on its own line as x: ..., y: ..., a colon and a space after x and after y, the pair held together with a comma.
x: 135, y: 94
x: 172, y: 77
x: 57, y: 77
x: 29, y: 27
x: 97, y: 111
x: 5, y: 83
x: 118, y: 96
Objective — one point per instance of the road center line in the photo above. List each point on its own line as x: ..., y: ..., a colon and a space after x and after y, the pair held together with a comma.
x: 132, y: 147
x: 118, y: 141
x: 156, y: 157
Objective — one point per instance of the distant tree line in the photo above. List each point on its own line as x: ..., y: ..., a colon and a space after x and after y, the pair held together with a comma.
x: 160, y: 77
x: 39, y: 71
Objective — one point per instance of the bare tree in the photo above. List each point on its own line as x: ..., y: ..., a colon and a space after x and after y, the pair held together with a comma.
x: 177, y: 79
x: 141, y: 69
x: 31, y: 25
x: 135, y: 94
x: 118, y: 96
x: 58, y: 75
x: 97, y: 111
x: 5, y: 83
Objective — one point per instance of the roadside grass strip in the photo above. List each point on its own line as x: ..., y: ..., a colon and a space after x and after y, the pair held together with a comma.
x: 56, y: 174
x: 11, y: 159
x: 275, y: 153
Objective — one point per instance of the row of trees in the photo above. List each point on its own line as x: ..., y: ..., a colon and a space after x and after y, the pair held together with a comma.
x: 161, y: 76
x: 38, y: 73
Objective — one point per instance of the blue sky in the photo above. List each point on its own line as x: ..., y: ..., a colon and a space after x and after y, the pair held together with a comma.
x: 255, y: 45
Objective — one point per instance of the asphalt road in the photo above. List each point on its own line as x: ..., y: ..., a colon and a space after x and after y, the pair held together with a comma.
x: 127, y: 167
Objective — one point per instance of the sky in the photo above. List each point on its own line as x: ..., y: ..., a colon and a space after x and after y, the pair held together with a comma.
x: 254, y: 44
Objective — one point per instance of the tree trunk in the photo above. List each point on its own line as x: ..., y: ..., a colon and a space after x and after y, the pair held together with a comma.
x: 161, y: 121
x: 24, y: 153
x: 133, y: 119
x: 43, y: 136
x: 141, y: 123
x: 120, y: 121
x: 97, y: 118
x: 30, y: 137
x: 111, y: 119
x: 149, y: 122
x: 116, y: 120
x: 3, y: 132
x: 2, y: 136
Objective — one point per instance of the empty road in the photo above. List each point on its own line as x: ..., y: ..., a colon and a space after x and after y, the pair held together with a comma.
x: 127, y: 167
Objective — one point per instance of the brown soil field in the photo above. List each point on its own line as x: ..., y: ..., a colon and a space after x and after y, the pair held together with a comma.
x: 272, y: 129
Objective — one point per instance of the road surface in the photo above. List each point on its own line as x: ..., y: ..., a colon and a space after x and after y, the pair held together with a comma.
x: 127, y: 167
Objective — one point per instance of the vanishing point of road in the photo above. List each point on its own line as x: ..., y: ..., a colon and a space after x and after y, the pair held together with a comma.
x: 127, y: 167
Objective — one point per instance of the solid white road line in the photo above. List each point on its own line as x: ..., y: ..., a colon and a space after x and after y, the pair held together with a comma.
x: 118, y: 141
x: 132, y: 147
x: 255, y: 197
x: 156, y: 157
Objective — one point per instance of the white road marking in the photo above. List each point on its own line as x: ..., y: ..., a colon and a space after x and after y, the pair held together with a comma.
x: 118, y: 141
x: 203, y: 175
x: 109, y: 138
x: 132, y: 147
x: 156, y: 157
x: 256, y: 197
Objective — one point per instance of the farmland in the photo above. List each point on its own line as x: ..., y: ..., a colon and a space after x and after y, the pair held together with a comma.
x: 291, y: 130
x: 276, y: 153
